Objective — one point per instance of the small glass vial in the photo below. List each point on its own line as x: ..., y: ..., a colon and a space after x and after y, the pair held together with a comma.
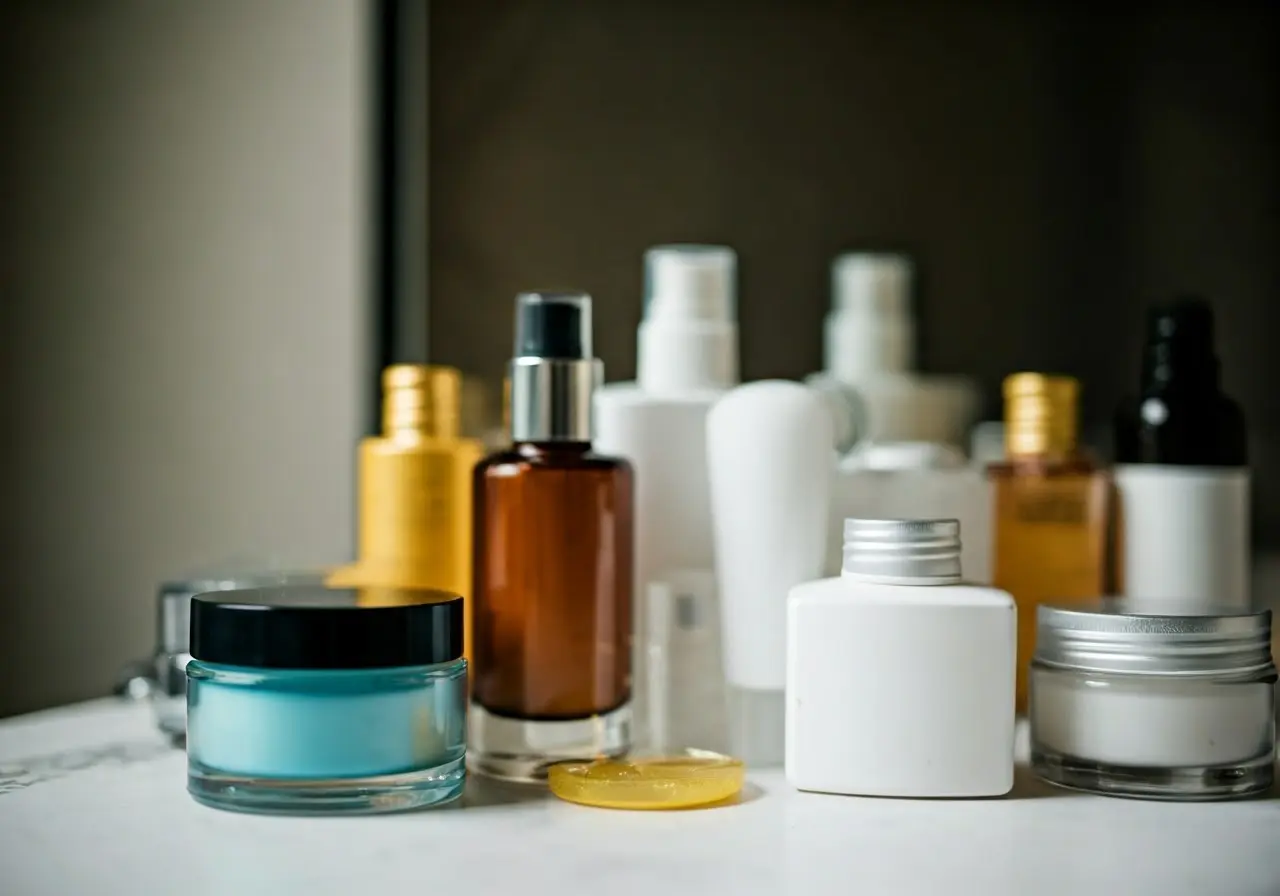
x: 305, y: 700
x: 1155, y: 706
x: 168, y: 692
x: 899, y: 675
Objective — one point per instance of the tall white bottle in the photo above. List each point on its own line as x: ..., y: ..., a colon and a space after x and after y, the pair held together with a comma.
x: 869, y: 342
x: 771, y: 452
x: 687, y: 357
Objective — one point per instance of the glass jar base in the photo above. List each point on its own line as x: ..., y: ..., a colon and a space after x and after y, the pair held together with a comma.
x: 519, y: 750
x: 372, y: 795
x: 1185, y: 784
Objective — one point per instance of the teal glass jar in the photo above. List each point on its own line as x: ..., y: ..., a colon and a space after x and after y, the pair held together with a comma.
x: 302, y: 699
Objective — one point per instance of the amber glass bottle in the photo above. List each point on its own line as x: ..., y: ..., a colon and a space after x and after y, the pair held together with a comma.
x: 1052, y: 508
x: 553, y: 562
x: 414, y: 492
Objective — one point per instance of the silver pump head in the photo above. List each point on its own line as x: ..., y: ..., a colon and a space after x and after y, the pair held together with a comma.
x: 553, y: 373
x: 919, y: 552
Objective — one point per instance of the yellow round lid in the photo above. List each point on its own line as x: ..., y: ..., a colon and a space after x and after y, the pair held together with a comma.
x: 695, y: 778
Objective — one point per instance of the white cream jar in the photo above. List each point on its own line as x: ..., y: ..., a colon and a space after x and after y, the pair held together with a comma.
x: 1155, y: 706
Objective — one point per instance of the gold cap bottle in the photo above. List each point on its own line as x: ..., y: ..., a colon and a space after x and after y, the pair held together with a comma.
x: 1040, y: 415
x: 414, y: 526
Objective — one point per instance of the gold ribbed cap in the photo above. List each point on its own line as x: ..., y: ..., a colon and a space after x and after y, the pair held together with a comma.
x: 1040, y: 414
x: 421, y: 399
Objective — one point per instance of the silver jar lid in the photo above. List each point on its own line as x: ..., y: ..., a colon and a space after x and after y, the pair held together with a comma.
x: 1114, y: 636
x: 905, y: 551
x: 174, y: 597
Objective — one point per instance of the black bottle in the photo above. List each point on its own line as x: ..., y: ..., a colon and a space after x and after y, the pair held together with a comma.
x: 1181, y: 472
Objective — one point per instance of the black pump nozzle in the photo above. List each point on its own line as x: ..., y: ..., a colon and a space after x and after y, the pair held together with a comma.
x: 553, y: 325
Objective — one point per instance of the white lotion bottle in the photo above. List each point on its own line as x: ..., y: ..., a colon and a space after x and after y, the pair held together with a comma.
x: 687, y: 357
x: 869, y: 341
x: 1182, y: 473
x: 900, y: 675
x: 771, y: 462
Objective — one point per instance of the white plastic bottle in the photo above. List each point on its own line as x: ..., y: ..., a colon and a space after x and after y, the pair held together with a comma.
x: 900, y: 676
x: 687, y: 356
x: 869, y: 343
x: 771, y: 457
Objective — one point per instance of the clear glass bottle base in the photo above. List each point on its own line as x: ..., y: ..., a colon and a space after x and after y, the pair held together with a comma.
x: 335, y: 796
x: 1188, y: 784
x: 518, y: 750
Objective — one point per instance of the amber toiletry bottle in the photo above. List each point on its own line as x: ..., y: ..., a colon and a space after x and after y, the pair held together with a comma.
x: 414, y: 491
x: 1052, y: 508
x: 553, y: 562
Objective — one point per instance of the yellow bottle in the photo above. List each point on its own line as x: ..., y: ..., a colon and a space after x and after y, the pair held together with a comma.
x: 1052, y: 508
x: 415, y: 491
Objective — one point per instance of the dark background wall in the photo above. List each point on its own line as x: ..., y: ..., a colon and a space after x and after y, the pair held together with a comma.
x: 1053, y: 168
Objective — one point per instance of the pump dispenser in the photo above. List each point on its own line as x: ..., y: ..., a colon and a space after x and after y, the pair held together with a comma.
x: 687, y: 356
x: 688, y: 339
x: 870, y: 344
x: 1182, y: 471
x: 553, y: 562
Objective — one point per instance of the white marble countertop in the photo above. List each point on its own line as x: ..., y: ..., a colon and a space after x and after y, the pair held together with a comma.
x: 91, y: 801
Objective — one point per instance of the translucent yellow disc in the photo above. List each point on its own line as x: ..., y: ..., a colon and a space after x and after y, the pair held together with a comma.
x: 698, y: 778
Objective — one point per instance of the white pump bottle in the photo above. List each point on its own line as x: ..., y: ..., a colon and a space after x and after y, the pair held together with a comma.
x: 869, y: 343
x: 687, y: 357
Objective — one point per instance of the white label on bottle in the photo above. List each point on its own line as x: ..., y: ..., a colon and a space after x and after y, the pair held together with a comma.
x: 1184, y: 534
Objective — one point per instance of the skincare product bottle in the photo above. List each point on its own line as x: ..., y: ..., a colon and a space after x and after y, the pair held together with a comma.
x: 415, y: 490
x: 869, y: 343
x: 1182, y: 476
x: 1052, y: 507
x: 553, y: 562
x: 687, y: 357
x: 899, y: 674
x: 1134, y: 699
x: 771, y: 463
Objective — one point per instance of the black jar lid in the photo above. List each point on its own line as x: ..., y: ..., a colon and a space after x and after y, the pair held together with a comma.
x: 314, y: 627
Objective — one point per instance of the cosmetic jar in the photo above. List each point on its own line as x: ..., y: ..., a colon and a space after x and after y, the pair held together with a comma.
x: 1173, y: 707
x: 301, y: 699
x: 168, y: 685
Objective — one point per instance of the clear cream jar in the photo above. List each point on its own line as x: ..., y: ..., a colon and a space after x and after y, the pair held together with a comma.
x: 1155, y: 706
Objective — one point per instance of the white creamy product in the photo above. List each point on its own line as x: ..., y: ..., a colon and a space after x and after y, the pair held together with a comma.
x: 1162, y: 706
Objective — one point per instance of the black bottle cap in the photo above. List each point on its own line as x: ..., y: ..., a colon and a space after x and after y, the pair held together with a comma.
x: 1180, y: 343
x: 553, y: 325
x: 314, y: 627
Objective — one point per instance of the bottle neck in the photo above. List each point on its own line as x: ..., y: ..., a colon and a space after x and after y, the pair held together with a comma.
x: 858, y: 345
x: 686, y: 356
x: 1188, y: 369
x: 421, y: 402
x: 911, y: 581
x: 551, y: 399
